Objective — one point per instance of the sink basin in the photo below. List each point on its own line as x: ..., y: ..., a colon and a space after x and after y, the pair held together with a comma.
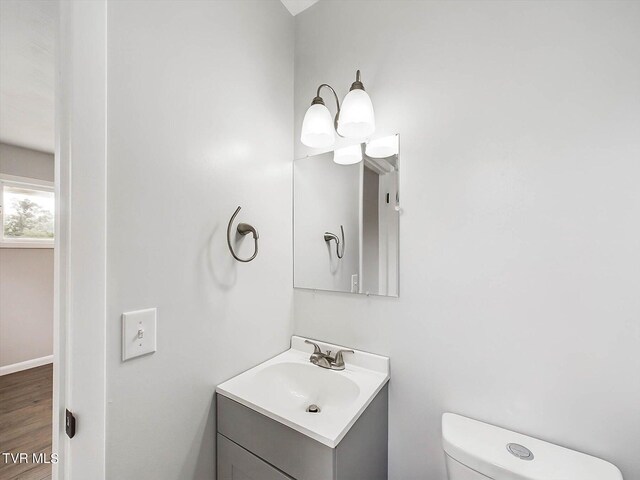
x: 284, y: 387
x: 295, y: 386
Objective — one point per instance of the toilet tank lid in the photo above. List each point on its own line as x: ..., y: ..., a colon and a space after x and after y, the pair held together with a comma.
x: 483, y: 448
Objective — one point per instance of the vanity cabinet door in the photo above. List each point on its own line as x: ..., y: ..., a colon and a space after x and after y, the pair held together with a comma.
x: 236, y: 463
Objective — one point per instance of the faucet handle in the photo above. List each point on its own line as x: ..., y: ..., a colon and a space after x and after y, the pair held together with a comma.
x: 316, y: 348
x: 338, y: 361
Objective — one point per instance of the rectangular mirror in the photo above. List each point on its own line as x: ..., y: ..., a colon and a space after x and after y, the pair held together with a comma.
x: 345, y: 219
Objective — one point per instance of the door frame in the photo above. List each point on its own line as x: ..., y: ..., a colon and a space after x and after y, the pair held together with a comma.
x: 79, y: 372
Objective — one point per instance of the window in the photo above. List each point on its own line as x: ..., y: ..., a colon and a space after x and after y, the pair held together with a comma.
x: 27, y: 212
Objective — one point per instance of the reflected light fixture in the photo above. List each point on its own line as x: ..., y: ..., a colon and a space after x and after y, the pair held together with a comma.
x: 348, y: 155
x: 355, y: 119
x: 382, y: 147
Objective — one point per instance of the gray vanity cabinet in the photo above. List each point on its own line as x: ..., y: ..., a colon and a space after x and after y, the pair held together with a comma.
x: 236, y: 463
x: 251, y: 446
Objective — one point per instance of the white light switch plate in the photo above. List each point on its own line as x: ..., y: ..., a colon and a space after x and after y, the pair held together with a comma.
x: 138, y: 333
x: 354, y: 283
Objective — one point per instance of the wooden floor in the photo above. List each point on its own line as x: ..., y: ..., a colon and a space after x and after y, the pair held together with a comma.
x: 25, y: 421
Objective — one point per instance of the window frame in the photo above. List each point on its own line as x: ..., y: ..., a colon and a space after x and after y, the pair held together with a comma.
x: 33, y: 184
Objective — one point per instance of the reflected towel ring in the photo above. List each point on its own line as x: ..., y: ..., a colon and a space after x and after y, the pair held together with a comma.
x: 243, y: 229
x: 328, y: 236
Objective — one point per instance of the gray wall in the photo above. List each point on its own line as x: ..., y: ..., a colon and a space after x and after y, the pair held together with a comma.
x: 369, y: 276
x: 23, y: 162
x: 199, y: 121
x: 519, y: 302
x: 26, y: 275
x: 26, y: 304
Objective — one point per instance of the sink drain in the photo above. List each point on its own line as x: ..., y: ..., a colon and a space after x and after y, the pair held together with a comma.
x: 313, y: 408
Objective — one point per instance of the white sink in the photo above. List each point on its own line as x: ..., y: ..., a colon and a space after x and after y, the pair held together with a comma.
x: 297, y: 385
x: 283, y: 387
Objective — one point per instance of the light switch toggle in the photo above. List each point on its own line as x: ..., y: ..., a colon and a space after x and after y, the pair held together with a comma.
x: 141, y: 333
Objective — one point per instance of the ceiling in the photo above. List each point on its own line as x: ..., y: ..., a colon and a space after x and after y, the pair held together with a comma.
x: 27, y: 41
x: 297, y: 6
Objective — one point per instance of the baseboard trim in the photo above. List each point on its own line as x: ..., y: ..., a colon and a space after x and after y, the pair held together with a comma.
x: 27, y: 364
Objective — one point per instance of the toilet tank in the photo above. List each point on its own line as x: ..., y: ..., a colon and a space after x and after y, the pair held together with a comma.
x: 477, y: 451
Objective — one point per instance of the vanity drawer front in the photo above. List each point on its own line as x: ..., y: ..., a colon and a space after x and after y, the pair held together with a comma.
x: 292, y: 452
x: 235, y: 463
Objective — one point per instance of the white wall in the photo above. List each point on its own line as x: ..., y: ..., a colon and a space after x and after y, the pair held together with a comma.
x: 199, y: 122
x: 26, y: 275
x: 327, y: 195
x: 519, y: 255
x: 27, y: 73
x: 389, y: 225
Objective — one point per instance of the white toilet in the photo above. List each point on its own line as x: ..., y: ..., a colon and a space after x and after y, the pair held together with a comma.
x: 478, y: 451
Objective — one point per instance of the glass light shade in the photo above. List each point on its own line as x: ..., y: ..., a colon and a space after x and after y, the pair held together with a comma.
x: 356, y: 115
x: 382, y: 147
x: 317, y: 127
x: 348, y: 155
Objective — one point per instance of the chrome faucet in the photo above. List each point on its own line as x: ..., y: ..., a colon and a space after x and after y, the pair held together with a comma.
x: 325, y: 360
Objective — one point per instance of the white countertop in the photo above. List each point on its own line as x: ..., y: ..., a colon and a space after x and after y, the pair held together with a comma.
x: 283, y: 387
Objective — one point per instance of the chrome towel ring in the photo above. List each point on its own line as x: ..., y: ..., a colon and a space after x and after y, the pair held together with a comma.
x: 243, y: 229
x: 328, y: 236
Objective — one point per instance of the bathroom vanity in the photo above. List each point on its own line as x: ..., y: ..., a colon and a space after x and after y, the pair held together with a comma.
x: 290, y: 419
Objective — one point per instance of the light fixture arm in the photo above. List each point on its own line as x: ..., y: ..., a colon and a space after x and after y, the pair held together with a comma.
x: 318, y: 99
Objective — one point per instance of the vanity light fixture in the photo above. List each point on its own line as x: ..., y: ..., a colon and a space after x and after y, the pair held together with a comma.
x: 355, y: 119
x: 348, y: 155
x: 382, y: 147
